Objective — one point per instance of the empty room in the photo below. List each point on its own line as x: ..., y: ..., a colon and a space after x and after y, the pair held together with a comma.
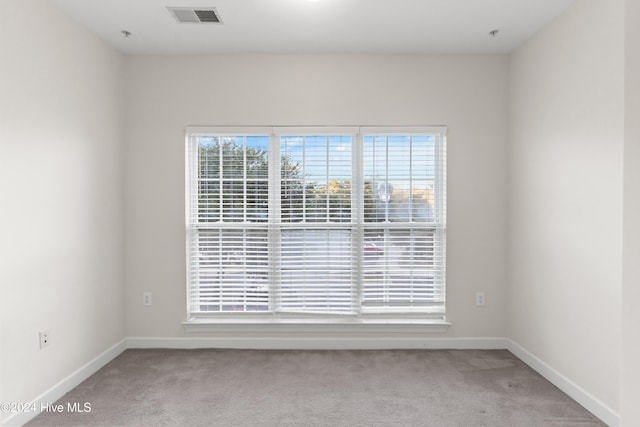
x: 320, y: 212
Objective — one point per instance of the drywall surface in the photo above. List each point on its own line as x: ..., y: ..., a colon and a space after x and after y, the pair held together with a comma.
x: 61, y: 216
x: 630, y: 377
x: 167, y: 94
x: 565, y: 196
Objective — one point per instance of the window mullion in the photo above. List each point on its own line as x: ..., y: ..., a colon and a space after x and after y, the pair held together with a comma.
x: 304, y: 187
x: 221, y: 177
x: 440, y: 176
x: 386, y: 179
x: 274, y: 233
x: 411, y: 179
x: 244, y: 179
x: 357, y: 218
x: 440, y: 214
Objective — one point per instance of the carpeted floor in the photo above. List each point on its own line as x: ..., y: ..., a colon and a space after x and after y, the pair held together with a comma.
x: 318, y: 388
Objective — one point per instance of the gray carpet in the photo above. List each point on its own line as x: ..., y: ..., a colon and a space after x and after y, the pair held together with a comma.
x: 318, y: 388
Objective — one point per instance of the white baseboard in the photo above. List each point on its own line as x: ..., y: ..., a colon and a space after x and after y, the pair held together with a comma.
x: 66, y: 384
x: 577, y: 393
x: 318, y: 343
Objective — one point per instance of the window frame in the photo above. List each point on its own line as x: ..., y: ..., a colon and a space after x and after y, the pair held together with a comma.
x: 215, y: 321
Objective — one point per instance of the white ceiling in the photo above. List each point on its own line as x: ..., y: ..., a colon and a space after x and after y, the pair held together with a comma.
x: 322, y: 26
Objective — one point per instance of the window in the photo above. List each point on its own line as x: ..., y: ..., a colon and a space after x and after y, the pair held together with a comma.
x: 345, y: 222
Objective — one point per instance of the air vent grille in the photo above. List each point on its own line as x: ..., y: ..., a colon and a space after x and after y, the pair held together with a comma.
x: 200, y: 15
x: 207, y: 15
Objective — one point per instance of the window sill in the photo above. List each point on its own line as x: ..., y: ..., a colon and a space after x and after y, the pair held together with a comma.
x: 270, y: 324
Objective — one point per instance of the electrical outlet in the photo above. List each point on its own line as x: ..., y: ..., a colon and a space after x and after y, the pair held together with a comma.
x: 480, y: 299
x: 147, y: 298
x: 45, y: 338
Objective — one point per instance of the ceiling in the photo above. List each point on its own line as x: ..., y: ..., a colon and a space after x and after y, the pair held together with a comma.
x: 320, y: 26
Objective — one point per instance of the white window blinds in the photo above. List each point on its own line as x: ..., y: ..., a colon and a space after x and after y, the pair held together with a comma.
x: 298, y: 221
x: 404, y: 213
x: 315, y: 225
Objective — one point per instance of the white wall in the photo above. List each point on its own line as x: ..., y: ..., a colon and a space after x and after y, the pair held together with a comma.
x: 166, y: 94
x: 61, y: 204
x: 630, y: 375
x: 565, y: 196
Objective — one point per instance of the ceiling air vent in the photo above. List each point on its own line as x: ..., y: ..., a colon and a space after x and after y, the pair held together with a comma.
x: 197, y: 15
